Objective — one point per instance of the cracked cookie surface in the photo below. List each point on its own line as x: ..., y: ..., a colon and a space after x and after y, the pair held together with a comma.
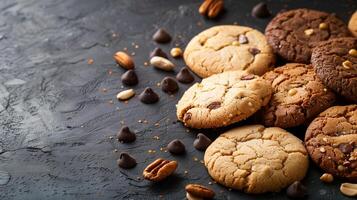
x: 294, y: 33
x: 331, y: 141
x: 223, y: 99
x: 329, y: 60
x: 298, y: 96
x: 256, y: 159
x: 229, y: 48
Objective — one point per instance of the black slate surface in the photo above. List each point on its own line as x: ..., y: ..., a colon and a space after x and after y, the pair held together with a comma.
x: 57, y: 112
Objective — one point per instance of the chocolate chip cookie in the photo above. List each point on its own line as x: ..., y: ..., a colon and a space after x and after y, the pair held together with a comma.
x: 335, y: 62
x: 352, y: 24
x: 294, y: 33
x: 228, y: 48
x: 256, y: 159
x: 223, y: 99
x: 331, y: 141
x: 298, y: 96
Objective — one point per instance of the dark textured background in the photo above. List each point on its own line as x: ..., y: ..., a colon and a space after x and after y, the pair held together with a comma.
x: 56, y: 117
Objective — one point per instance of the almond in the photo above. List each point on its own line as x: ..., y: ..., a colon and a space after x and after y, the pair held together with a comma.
x: 124, y: 60
x: 215, y: 8
x: 162, y: 63
x: 125, y: 95
x: 349, y: 189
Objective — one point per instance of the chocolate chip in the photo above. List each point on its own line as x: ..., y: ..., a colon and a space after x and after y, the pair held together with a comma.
x: 247, y: 77
x: 187, y: 116
x: 296, y: 190
x: 201, y: 142
x: 254, y: 51
x: 185, y: 76
x: 129, y: 78
x: 148, y: 96
x: 169, y: 85
x: 242, y: 39
x: 260, y: 10
x: 346, y: 148
x: 176, y: 147
x: 158, y: 52
x: 125, y: 135
x: 126, y: 161
x: 161, y: 36
x: 214, y: 105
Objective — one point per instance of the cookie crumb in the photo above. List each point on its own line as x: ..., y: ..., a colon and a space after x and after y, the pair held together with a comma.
x: 90, y: 61
x: 322, y: 150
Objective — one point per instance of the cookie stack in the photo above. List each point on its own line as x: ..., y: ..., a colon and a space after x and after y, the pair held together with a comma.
x: 317, y: 85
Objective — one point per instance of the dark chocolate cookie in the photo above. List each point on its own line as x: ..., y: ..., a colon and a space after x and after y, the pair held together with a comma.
x: 335, y: 62
x: 331, y: 140
x: 294, y: 33
x: 298, y: 96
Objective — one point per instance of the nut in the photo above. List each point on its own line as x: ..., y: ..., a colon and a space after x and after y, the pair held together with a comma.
x: 162, y: 63
x: 323, y: 26
x: 211, y: 8
x: 191, y: 197
x: 349, y: 189
x: 347, y: 64
x: 215, y: 8
x: 199, y: 191
x: 353, y: 52
x: 124, y: 60
x: 176, y: 52
x: 125, y: 95
x: 292, y: 92
x: 159, y: 169
x: 309, y: 32
x: 327, y: 178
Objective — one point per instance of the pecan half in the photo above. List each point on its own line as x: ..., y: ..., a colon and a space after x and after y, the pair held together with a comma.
x: 159, y: 169
x: 211, y: 8
x: 199, y: 191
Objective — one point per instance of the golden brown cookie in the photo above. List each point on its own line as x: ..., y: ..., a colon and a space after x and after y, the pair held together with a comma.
x: 228, y: 48
x: 298, y: 96
x: 256, y: 159
x: 223, y: 99
x: 352, y: 24
x: 331, y: 141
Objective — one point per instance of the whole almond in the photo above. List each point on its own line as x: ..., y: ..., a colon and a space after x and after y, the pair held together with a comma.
x: 204, y: 7
x: 349, y: 189
x: 124, y: 60
x: 199, y: 191
x: 162, y: 63
x: 125, y: 95
x: 215, y: 8
x: 327, y: 178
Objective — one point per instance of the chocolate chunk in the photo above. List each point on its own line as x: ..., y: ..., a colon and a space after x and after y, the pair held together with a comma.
x: 148, y: 96
x: 158, y: 52
x: 254, y: 51
x: 214, y: 105
x: 126, y: 161
x: 187, y: 116
x: 129, y: 78
x: 346, y: 148
x: 185, y: 76
x: 169, y: 85
x: 242, y: 39
x: 260, y: 10
x: 125, y: 135
x: 176, y: 147
x: 161, y: 36
x: 247, y: 77
x: 296, y: 190
x: 201, y: 142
